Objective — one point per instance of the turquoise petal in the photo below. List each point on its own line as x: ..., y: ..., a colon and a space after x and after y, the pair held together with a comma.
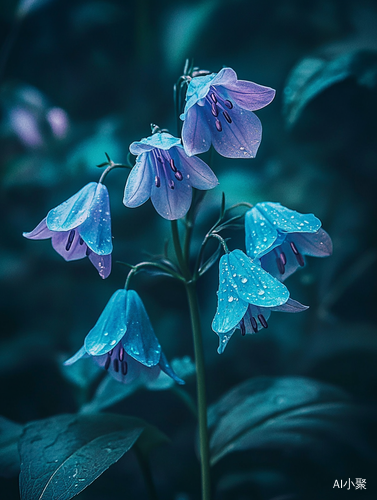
x: 72, y: 212
x: 198, y: 88
x: 259, y: 233
x: 161, y: 140
x: 81, y: 353
x: 230, y: 308
x: 287, y: 220
x: 140, y: 342
x: 165, y: 367
x: 110, y: 327
x: 96, y: 229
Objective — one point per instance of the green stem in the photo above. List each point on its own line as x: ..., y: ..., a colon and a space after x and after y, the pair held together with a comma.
x: 201, y: 390
x: 178, y: 250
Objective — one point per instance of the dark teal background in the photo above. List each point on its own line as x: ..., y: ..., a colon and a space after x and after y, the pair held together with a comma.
x: 111, y: 66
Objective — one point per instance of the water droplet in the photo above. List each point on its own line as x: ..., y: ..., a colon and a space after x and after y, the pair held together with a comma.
x: 260, y: 292
x: 113, y: 342
x: 230, y: 299
x: 243, y: 280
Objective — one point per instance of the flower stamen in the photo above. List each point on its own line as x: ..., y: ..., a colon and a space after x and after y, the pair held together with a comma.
x: 116, y: 365
x: 108, y: 361
x: 124, y: 368
x: 227, y: 117
x: 299, y: 257
x: 71, y: 237
x: 121, y: 354
x: 254, y: 324
x: 218, y: 125
x: 243, y: 328
x: 262, y: 320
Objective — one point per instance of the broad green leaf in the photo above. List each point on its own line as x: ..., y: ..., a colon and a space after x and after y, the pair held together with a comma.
x: 62, y: 455
x: 10, y: 433
x: 313, y: 75
x: 269, y: 412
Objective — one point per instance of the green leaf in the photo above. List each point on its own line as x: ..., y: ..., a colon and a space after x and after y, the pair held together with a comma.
x: 9, y: 457
x: 62, y: 455
x: 268, y: 412
x: 313, y: 75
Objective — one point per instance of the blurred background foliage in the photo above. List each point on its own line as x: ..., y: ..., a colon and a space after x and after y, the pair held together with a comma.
x: 83, y: 77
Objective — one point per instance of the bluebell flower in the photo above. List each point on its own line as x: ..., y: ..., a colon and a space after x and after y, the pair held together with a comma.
x: 123, y: 342
x: 81, y: 227
x: 164, y: 173
x: 247, y: 295
x: 218, y: 111
x: 280, y: 238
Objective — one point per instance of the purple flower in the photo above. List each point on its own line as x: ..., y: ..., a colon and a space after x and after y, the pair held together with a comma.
x: 219, y: 111
x: 81, y: 227
x: 280, y: 238
x: 164, y: 173
x: 123, y: 342
x: 247, y: 294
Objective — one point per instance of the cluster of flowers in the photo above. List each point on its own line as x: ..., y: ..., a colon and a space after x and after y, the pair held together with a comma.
x: 219, y: 111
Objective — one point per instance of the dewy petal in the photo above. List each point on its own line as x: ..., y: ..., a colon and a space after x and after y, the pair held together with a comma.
x: 287, y: 220
x: 170, y: 203
x: 41, y: 232
x: 248, y: 95
x: 160, y: 140
x: 239, y: 139
x: 76, y: 250
x: 230, y: 309
x: 269, y: 263
x: 291, y: 306
x: 196, y: 132
x: 140, y: 181
x: 317, y: 244
x: 225, y: 77
x: 252, y: 284
x: 140, y: 341
x: 165, y: 367
x: 102, y: 263
x: 196, y: 91
x: 96, y: 229
x: 260, y: 234
x: 223, y: 338
x: 195, y: 171
x: 110, y: 327
x: 81, y: 353
x: 72, y: 212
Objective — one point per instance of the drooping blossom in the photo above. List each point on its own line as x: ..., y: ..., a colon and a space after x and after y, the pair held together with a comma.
x: 219, y: 111
x: 280, y: 238
x: 81, y: 227
x: 123, y: 342
x: 247, y: 294
x: 164, y: 173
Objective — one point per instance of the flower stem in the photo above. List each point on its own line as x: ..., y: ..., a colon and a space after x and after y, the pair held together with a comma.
x: 178, y: 251
x: 201, y: 390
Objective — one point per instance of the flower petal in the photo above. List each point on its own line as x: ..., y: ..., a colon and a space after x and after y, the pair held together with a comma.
x: 196, y: 91
x: 81, y: 353
x: 287, y: 220
x: 102, y: 263
x: 240, y: 138
x: 196, y: 133
x: 230, y: 308
x: 170, y: 203
x: 195, y: 171
x: 61, y: 240
x: 254, y: 312
x: 96, y: 229
x: 291, y: 306
x: 317, y: 244
x: 139, y: 182
x: 140, y: 341
x: 166, y: 368
x: 161, y: 140
x: 223, y: 339
x: 72, y: 212
x: 41, y: 232
x: 260, y: 234
x: 248, y: 95
x: 252, y: 284
x: 110, y: 327
x: 225, y: 77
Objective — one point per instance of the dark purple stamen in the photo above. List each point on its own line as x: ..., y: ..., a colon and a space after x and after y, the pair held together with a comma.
x: 81, y: 241
x: 107, y: 362
x: 213, y: 97
x: 172, y: 165
x: 228, y: 104
x: 70, y: 240
x: 121, y: 354
x: 254, y: 325
x: 214, y: 110
x: 178, y: 175
x: 283, y: 258
x: 242, y: 327
x: 159, y: 159
x: 299, y: 257
x: 171, y: 184
x: 227, y: 117
x: 88, y: 252
x: 262, y: 320
x: 124, y: 368
x: 116, y: 365
x: 157, y: 181
x: 280, y: 265
x: 218, y: 125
